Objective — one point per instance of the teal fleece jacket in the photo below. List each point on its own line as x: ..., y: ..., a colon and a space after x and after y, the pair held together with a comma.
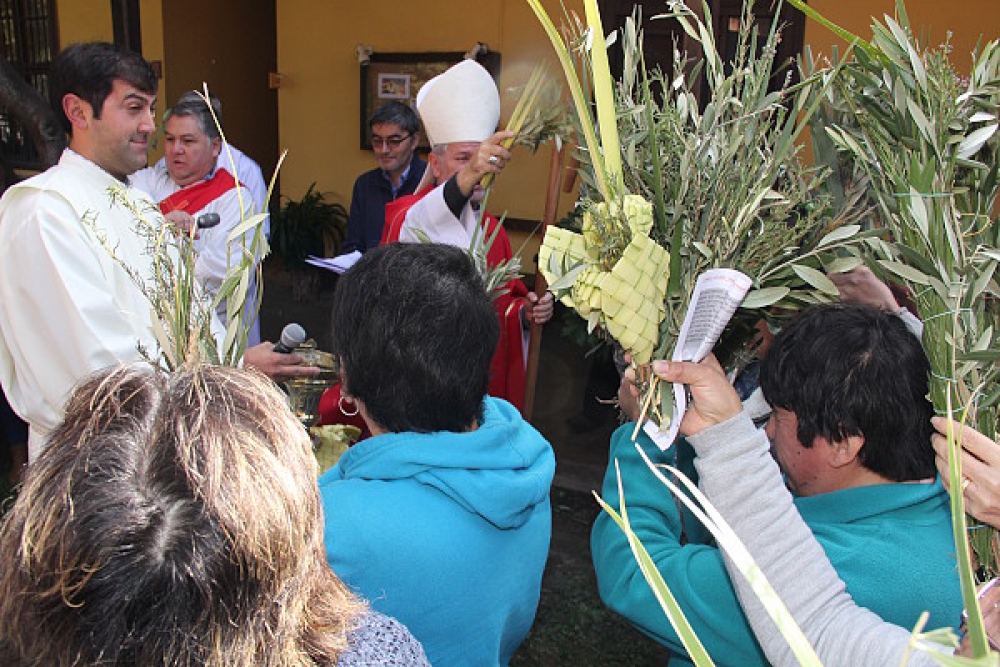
x: 891, y: 544
x: 447, y: 532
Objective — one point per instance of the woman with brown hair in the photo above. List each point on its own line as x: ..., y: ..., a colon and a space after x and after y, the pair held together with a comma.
x: 175, y: 520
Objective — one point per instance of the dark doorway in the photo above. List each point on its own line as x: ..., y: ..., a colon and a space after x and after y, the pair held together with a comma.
x: 727, y: 15
x: 127, y: 29
x: 232, y: 46
x: 660, y: 34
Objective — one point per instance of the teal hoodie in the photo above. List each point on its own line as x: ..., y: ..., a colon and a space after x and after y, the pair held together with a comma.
x: 447, y: 532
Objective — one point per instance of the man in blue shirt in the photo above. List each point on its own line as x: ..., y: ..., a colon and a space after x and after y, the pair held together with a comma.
x: 395, y: 132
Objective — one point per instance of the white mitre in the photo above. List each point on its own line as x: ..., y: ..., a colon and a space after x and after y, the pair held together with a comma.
x: 461, y: 104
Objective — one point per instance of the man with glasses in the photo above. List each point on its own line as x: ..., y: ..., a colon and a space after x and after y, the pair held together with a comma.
x: 395, y: 134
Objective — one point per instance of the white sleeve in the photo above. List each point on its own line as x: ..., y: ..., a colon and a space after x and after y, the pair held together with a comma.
x: 247, y: 171
x: 67, y: 310
x: 739, y: 476
x: 431, y: 218
x: 252, y: 177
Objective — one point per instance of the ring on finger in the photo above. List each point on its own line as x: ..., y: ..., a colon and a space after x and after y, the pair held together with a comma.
x: 965, y: 483
x: 493, y: 160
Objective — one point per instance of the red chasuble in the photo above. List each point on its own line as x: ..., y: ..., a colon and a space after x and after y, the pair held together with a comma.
x: 507, y: 365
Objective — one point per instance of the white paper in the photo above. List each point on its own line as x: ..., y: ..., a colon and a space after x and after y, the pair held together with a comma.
x: 717, y: 295
x: 338, y: 264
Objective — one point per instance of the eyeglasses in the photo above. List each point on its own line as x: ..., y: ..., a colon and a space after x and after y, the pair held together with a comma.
x: 392, y: 142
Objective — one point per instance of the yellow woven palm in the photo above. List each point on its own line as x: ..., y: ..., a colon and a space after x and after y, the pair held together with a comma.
x: 632, y: 297
x: 561, y: 250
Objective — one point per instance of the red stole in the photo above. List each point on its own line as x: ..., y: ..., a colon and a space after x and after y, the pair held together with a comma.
x: 507, y: 366
x: 198, y: 195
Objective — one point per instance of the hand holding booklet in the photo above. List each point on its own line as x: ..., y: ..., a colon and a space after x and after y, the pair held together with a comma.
x: 717, y: 294
x: 338, y: 264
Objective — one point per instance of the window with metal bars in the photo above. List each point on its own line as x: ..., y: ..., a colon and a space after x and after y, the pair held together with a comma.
x: 28, y: 28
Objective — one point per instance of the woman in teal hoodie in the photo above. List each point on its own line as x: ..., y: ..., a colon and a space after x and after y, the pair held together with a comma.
x: 442, y: 518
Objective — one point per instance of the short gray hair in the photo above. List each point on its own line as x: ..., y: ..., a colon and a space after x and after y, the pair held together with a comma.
x: 196, y: 108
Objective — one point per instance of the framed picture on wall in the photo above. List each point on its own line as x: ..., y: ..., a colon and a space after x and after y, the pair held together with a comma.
x: 394, y: 86
x: 398, y: 77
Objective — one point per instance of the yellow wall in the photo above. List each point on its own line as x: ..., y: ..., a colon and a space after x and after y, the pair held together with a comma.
x: 88, y: 20
x: 319, y: 106
x: 151, y: 21
x: 84, y: 21
x: 966, y: 20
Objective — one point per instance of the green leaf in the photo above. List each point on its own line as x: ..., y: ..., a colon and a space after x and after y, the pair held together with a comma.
x: 580, y: 101
x: 982, y: 281
x: 918, y: 210
x: 842, y: 138
x: 843, y: 264
x: 839, y: 234
x: 905, y: 272
x: 700, y: 506
x: 759, y: 298
x: 816, y: 279
x: 972, y: 143
x: 980, y: 356
x: 848, y: 37
x: 604, y: 100
x: 920, y: 120
x: 568, y: 279
x: 916, y: 260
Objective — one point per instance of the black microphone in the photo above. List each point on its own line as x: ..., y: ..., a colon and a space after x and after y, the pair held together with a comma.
x: 292, y: 336
x: 208, y: 220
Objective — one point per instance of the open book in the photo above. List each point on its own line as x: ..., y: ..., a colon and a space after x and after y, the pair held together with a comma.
x: 717, y: 294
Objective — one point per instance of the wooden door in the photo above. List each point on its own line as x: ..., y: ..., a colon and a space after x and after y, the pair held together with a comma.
x: 232, y: 46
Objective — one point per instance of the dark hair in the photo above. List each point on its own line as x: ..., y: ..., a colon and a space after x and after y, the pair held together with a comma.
x: 196, y: 108
x: 171, y: 520
x: 848, y: 370
x: 398, y: 114
x: 415, y: 331
x: 89, y: 70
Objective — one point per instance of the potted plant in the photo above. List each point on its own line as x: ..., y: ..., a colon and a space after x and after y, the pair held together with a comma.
x: 311, y: 225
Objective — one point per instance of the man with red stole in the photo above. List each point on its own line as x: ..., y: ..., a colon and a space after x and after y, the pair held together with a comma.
x: 460, y: 110
x: 188, y: 184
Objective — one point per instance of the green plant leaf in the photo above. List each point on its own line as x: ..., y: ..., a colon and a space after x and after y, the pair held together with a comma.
x: 580, y: 101
x: 816, y: 279
x: 843, y: 265
x: 976, y: 140
x: 839, y: 234
x: 604, y: 100
x: 567, y: 280
x: 245, y: 225
x: 981, y: 356
x: 905, y: 272
x: 759, y: 298
x: 848, y: 37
